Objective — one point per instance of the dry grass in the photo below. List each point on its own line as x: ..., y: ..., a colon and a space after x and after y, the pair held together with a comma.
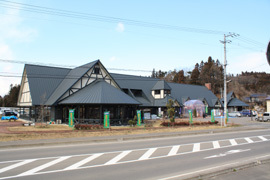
x: 52, y: 127
x: 118, y: 130
x: 55, y: 131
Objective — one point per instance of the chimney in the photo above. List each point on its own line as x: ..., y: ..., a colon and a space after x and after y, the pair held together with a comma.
x: 208, y: 86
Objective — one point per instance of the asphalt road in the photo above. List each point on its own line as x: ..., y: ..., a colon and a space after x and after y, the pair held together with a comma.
x: 162, y: 158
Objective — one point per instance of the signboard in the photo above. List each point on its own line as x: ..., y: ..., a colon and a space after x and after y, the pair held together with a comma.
x: 227, y: 117
x: 107, y: 119
x: 139, y: 118
x: 212, y: 116
x: 71, y: 118
x: 190, y: 116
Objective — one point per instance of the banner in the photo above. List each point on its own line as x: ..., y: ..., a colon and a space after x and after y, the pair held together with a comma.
x: 206, y: 109
x: 139, y: 118
x: 107, y: 119
x: 212, y: 116
x: 227, y: 117
x: 71, y: 118
x: 190, y: 116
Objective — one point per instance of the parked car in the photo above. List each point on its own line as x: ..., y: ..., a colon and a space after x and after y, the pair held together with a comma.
x: 246, y: 112
x: 266, y: 116
x: 8, y: 115
x: 234, y: 114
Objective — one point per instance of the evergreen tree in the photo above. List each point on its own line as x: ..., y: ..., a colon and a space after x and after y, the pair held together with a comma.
x: 195, y: 74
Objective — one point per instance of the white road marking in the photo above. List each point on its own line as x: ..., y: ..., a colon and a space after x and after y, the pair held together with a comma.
x: 117, y: 158
x: 147, y: 154
x: 196, y: 147
x: 233, y: 142
x: 16, y: 165
x: 39, y: 168
x: 212, y: 168
x: 84, y: 161
x: 227, y: 153
x: 262, y: 138
x: 216, y: 144
x: 249, y: 140
x: 116, y: 142
x: 174, y: 150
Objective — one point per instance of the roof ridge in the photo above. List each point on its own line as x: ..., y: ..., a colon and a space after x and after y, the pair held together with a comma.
x: 48, y: 66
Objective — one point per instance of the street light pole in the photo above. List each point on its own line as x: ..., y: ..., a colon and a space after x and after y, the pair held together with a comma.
x: 225, y: 84
x: 225, y: 74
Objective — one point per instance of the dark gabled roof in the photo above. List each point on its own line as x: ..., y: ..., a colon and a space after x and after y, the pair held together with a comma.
x: 161, y: 85
x: 258, y: 95
x: 193, y: 92
x: 43, y: 81
x: 71, y: 78
x: 178, y: 91
x: 236, y: 103
x: 230, y: 95
x: 99, y: 92
x: 163, y: 102
x: 144, y: 102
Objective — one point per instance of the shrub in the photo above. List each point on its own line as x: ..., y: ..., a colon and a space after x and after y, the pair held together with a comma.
x: 133, y: 122
x: 170, y: 110
x: 186, y: 123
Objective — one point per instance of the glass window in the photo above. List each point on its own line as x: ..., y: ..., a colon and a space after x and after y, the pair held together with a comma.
x: 96, y: 70
x: 157, y: 91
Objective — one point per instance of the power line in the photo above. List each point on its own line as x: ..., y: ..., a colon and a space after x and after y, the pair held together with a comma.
x: 66, y: 66
x: 110, y: 19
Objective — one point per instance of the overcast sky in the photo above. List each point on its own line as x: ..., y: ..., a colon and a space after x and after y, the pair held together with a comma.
x: 132, y: 35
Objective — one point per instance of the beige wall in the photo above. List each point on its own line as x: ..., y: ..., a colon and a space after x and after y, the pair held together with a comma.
x: 267, y: 105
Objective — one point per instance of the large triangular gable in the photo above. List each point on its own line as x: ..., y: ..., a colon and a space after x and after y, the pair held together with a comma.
x: 25, y: 98
x: 84, y: 76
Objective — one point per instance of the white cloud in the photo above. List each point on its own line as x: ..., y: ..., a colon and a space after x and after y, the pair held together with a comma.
x: 12, y: 32
x: 5, y: 51
x: 11, y: 28
x: 120, y: 27
x: 248, y: 62
x: 113, y: 59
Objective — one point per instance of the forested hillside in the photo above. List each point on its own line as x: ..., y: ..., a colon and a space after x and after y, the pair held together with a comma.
x: 211, y: 71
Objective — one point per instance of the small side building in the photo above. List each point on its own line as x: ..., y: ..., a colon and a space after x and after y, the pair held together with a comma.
x: 233, y: 103
x: 267, y: 104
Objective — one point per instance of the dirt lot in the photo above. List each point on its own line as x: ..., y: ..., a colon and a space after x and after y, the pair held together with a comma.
x: 13, y: 131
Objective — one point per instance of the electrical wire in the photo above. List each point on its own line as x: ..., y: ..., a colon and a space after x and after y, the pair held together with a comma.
x: 94, y: 17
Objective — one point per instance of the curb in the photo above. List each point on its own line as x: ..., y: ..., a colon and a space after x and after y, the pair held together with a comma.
x: 231, y: 169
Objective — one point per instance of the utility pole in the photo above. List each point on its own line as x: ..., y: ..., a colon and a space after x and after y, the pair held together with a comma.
x: 225, y: 74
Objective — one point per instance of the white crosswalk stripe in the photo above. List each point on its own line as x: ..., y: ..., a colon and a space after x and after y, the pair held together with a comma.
x: 249, y: 140
x: 84, y: 161
x: 262, y: 138
x: 39, y: 168
x: 147, y: 154
x: 174, y: 150
x: 233, y: 142
x: 196, y: 147
x: 16, y: 165
x: 117, y: 158
x: 216, y: 144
